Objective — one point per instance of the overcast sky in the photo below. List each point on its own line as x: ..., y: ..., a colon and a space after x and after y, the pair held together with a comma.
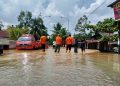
x: 69, y: 9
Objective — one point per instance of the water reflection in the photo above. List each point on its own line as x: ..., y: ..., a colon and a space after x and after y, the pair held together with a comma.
x: 116, y: 64
x: 24, y: 58
x: 83, y: 60
x: 37, y: 68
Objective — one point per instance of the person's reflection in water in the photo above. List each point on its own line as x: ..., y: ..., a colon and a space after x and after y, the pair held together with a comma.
x: 68, y: 58
x: 80, y: 59
x: 83, y: 60
x: 116, y: 64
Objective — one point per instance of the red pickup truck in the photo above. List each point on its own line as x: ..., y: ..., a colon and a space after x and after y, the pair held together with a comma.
x: 27, y: 41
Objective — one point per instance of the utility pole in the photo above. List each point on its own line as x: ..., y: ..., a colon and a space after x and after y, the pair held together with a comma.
x: 118, y: 39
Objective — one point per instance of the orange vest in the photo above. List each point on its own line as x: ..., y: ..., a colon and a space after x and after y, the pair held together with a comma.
x: 43, y: 39
x: 69, y: 40
x: 58, y: 40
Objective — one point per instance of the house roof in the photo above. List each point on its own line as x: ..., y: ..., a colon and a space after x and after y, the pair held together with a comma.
x: 96, y: 35
x: 92, y: 41
x: 111, y: 5
x: 4, y: 34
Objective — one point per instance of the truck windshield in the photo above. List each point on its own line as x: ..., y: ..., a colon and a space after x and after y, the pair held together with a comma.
x: 25, y: 39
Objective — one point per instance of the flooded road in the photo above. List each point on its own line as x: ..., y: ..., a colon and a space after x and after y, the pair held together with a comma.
x: 36, y: 68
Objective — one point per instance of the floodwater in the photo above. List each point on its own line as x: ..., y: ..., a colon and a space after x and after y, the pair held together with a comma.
x: 37, y: 68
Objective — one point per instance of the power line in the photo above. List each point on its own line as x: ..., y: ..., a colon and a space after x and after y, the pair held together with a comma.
x: 80, y: 5
x: 97, y: 7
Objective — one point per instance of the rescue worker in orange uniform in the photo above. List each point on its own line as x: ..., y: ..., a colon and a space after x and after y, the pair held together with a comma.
x: 58, y: 41
x: 69, y: 43
x: 43, y: 41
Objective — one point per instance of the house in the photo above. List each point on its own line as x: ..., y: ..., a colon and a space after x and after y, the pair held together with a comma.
x: 92, y: 44
x: 116, y: 7
x: 4, y: 39
x: 4, y: 34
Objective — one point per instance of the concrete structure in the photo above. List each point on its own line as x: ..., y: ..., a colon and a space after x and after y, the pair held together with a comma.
x: 92, y: 44
x: 116, y: 7
x: 5, y: 42
x: 4, y: 39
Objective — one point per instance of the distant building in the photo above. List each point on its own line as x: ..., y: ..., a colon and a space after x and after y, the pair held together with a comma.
x: 4, y: 34
x: 92, y: 44
x: 116, y: 7
x: 4, y: 40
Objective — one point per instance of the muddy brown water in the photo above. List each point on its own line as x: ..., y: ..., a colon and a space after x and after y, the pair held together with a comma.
x: 36, y: 68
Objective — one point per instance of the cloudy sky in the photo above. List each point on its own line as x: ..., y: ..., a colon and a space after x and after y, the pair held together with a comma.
x: 68, y: 9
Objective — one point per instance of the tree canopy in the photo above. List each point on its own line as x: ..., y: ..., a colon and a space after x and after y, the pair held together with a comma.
x: 101, y: 27
x: 59, y: 29
x: 35, y: 25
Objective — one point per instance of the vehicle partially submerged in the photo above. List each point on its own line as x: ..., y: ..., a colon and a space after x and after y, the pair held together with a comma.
x: 27, y: 41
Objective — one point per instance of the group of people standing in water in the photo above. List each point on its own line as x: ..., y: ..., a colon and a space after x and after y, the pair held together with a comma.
x: 69, y: 41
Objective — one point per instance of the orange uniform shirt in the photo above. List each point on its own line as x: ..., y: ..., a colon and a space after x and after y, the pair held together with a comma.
x: 69, y: 40
x: 43, y: 40
x: 58, y: 40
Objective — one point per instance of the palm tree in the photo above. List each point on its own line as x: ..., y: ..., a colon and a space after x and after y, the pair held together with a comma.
x: 58, y: 29
x: 37, y: 27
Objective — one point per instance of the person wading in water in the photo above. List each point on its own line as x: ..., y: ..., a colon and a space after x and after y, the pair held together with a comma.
x: 43, y: 41
x: 82, y: 45
x: 69, y: 42
x: 75, y: 45
x: 58, y: 41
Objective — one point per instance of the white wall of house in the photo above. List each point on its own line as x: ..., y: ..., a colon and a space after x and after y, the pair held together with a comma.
x: 12, y: 44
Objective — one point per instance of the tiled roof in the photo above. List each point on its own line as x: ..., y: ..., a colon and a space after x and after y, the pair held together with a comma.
x: 4, y: 34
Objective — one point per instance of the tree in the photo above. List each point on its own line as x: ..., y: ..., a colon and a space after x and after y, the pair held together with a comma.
x: 63, y: 33
x: 106, y: 25
x: 1, y: 25
x: 16, y: 32
x: 35, y: 25
x: 25, y: 19
x: 81, y: 25
x: 94, y: 32
x: 58, y: 29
